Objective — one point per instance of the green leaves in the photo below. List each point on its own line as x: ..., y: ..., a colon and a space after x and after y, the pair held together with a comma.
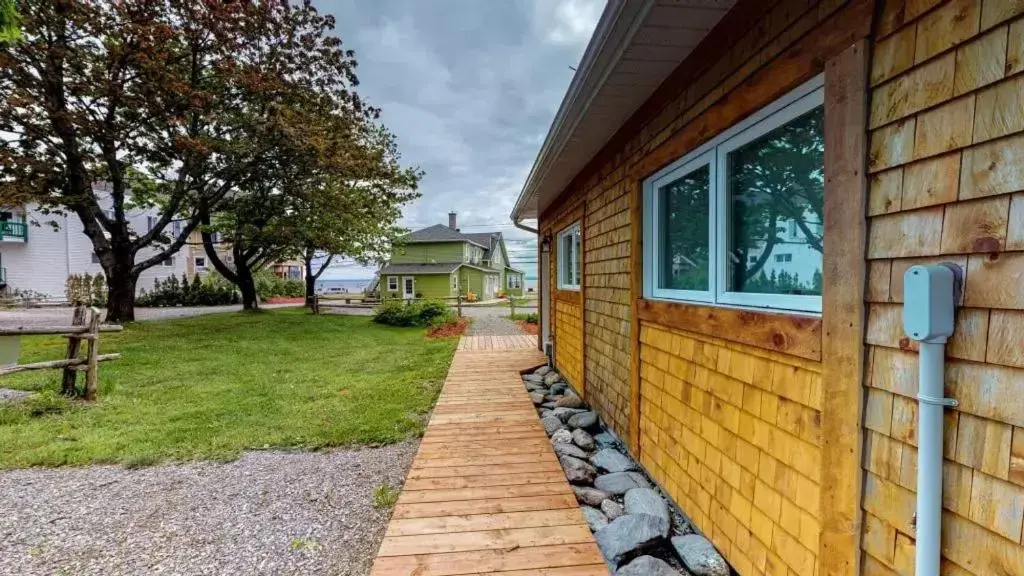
x: 10, y: 23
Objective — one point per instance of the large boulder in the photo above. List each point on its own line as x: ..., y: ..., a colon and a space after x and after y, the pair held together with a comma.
x: 582, y: 439
x: 551, y: 425
x: 569, y: 449
x: 561, y: 436
x: 699, y: 556
x: 570, y: 401
x: 577, y: 471
x: 583, y: 420
x: 564, y: 414
x: 629, y: 535
x: 621, y: 482
x: 648, y: 501
x: 595, y: 519
x: 591, y: 496
x: 604, y: 440
x: 647, y: 566
x: 551, y: 378
x: 613, y: 461
x: 612, y: 509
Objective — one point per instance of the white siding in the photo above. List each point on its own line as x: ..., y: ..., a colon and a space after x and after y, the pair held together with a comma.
x: 44, y: 262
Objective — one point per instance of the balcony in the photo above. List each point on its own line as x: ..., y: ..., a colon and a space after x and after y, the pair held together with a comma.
x: 13, y: 231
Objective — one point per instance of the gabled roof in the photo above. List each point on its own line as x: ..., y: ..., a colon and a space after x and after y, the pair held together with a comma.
x: 441, y: 233
x: 395, y: 269
x: 486, y: 239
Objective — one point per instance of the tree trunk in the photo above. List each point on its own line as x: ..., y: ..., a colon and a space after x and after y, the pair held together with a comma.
x: 310, y: 287
x: 247, y: 286
x: 121, y: 296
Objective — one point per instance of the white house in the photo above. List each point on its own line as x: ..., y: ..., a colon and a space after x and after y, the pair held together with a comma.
x: 35, y: 256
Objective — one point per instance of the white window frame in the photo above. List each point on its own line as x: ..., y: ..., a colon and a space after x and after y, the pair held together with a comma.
x: 198, y: 265
x: 574, y: 257
x: 392, y: 283
x: 714, y: 153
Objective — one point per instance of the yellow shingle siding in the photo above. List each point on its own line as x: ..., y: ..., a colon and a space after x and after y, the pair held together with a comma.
x: 947, y: 133
x: 569, y: 346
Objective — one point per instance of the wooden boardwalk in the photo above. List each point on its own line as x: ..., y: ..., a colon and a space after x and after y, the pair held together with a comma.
x: 486, y: 495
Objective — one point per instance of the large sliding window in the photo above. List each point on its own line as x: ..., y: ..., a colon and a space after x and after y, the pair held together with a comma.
x: 739, y: 220
x: 569, y: 258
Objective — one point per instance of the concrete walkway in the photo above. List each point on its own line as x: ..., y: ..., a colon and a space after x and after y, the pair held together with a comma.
x: 486, y: 494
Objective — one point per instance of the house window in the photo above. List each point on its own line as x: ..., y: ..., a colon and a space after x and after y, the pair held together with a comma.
x: 176, y: 228
x: 169, y: 263
x: 569, y: 258
x: 455, y: 282
x: 150, y: 223
x: 739, y: 220
x: 200, y: 263
x: 514, y: 282
x: 392, y: 283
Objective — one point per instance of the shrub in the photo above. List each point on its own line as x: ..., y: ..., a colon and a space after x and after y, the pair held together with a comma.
x: 86, y: 289
x: 425, y: 313
x: 172, y: 292
x: 268, y: 285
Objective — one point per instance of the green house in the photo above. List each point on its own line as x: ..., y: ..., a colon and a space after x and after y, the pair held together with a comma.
x: 442, y: 262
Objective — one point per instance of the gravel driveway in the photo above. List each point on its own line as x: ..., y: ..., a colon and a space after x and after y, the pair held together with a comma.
x: 278, y: 513
x: 61, y: 316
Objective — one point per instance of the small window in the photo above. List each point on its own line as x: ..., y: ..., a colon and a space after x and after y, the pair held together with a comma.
x: 176, y: 228
x: 200, y: 263
x: 393, y: 283
x: 514, y: 282
x: 455, y: 282
x: 169, y: 263
x: 739, y: 220
x: 569, y: 258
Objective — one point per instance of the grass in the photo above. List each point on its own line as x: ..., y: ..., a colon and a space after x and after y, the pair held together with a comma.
x: 212, y: 386
x: 385, y: 496
x: 528, y: 317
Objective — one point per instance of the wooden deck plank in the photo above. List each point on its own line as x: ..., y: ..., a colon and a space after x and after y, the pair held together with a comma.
x: 486, y: 495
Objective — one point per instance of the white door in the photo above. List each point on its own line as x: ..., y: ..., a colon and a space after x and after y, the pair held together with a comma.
x: 409, y: 287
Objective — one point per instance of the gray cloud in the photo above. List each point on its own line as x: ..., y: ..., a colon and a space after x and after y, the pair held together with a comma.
x: 470, y: 88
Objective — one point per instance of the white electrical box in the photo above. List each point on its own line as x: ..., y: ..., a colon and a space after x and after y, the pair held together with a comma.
x: 929, y: 302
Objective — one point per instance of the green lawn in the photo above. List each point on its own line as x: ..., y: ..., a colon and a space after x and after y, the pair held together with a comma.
x: 212, y: 386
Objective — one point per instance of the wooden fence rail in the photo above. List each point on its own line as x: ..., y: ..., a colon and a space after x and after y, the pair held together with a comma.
x: 72, y: 363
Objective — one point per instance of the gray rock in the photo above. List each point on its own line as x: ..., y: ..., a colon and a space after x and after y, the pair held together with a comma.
x: 549, y: 405
x: 533, y: 378
x: 13, y: 396
x: 594, y: 518
x: 583, y: 420
x: 559, y: 388
x: 647, y: 501
x: 612, y: 509
x: 629, y: 534
x: 577, y: 471
x: 613, y: 461
x: 552, y: 398
x: 536, y: 387
x: 591, y: 496
x: 582, y: 439
x: 560, y: 436
x: 620, y: 482
x: 544, y: 413
x: 552, y: 377
x: 537, y: 399
x: 564, y: 414
x: 647, y: 566
x: 570, y: 449
x: 570, y: 401
x: 699, y: 556
x: 551, y: 425
x: 604, y: 440
x: 542, y: 371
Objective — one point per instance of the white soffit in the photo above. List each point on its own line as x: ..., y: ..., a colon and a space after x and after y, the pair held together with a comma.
x: 636, y: 45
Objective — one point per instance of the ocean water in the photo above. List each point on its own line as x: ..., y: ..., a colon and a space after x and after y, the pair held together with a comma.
x: 335, y: 285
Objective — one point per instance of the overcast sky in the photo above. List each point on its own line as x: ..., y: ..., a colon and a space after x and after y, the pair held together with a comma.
x: 470, y: 88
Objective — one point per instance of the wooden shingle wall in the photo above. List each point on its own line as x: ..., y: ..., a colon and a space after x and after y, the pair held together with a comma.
x: 733, y: 434
x: 569, y: 343
x: 947, y: 175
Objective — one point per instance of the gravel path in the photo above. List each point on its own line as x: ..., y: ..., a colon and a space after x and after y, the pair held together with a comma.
x: 277, y: 513
x: 491, y: 322
x: 60, y: 316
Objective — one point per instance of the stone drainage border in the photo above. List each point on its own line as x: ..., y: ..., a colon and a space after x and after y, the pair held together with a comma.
x: 639, y: 530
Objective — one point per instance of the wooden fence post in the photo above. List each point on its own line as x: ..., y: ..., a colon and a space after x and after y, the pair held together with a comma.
x: 458, y: 303
x: 70, y: 377
x: 512, y: 305
x: 93, y: 366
